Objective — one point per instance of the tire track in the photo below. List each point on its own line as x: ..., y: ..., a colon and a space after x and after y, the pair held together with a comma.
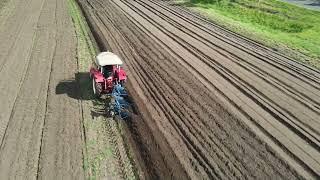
x: 204, y: 38
x: 150, y: 69
x: 316, y: 146
x: 257, y: 81
x: 156, y: 161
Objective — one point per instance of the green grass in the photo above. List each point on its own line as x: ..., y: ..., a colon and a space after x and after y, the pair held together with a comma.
x: 104, y: 155
x: 271, y: 21
x: 85, y: 53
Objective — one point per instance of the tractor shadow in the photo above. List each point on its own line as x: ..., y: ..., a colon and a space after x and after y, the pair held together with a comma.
x: 78, y: 88
x: 314, y: 4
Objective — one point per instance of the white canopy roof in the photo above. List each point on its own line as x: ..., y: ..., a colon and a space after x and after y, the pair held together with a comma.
x: 108, y: 58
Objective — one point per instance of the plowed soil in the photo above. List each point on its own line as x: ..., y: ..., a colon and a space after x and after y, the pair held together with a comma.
x: 212, y: 104
x: 40, y: 131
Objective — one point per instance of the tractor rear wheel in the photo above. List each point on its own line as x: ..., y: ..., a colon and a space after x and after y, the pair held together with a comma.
x: 97, y: 88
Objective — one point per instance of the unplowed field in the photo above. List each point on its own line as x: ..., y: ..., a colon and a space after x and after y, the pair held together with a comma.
x: 213, y: 104
x: 40, y: 131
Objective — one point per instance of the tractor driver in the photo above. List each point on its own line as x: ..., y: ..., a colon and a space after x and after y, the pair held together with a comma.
x: 107, y: 71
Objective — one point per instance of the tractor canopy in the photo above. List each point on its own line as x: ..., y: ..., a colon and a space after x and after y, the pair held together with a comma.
x: 108, y: 58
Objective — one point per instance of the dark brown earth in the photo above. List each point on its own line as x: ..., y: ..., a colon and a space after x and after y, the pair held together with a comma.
x: 40, y: 131
x: 212, y: 104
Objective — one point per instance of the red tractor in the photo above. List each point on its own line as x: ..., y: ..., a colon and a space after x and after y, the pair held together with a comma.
x: 108, y: 74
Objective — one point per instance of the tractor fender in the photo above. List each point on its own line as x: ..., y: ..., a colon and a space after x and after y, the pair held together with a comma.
x: 97, y: 75
x: 93, y: 71
x: 98, y: 78
x: 122, y: 75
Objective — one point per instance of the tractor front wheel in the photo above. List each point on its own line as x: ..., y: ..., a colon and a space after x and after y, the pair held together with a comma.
x: 97, y: 88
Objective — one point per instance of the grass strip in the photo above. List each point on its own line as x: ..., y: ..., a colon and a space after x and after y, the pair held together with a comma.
x: 272, y: 22
x: 104, y: 152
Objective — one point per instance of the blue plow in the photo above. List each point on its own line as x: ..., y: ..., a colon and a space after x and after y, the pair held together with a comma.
x: 120, y: 104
